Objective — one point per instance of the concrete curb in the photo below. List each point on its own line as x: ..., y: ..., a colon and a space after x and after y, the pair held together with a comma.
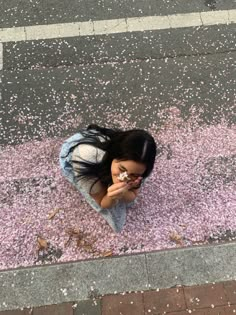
x: 76, y: 281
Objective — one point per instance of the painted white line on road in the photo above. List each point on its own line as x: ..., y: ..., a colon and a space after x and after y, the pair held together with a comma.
x: 182, y: 20
x: 123, y: 25
x: 208, y: 19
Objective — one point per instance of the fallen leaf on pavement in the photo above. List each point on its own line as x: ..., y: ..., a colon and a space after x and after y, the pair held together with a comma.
x: 85, y: 245
x: 83, y: 240
x: 175, y: 237
x: 53, y: 213
x: 74, y: 232
x: 107, y: 253
x: 42, y: 243
x: 88, y: 248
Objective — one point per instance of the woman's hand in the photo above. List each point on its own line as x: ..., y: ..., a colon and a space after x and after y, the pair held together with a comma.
x: 114, y: 193
x: 135, y: 183
x: 117, y: 190
x: 121, y: 190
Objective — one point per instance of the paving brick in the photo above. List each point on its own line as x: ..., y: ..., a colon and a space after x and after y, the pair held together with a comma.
x: 17, y: 312
x: 89, y: 307
x: 210, y: 295
x: 61, y: 309
x: 230, y: 310
x: 215, y: 311
x: 230, y: 289
x: 128, y: 304
x: 199, y: 312
x: 166, y: 300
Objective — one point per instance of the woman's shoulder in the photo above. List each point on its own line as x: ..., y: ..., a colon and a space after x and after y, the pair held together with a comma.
x: 87, y: 152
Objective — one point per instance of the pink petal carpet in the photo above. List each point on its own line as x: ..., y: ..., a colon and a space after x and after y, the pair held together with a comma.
x: 189, y: 197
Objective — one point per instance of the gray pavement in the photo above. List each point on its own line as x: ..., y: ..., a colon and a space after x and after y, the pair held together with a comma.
x: 139, y: 73
x: 206, y: 82
x: 124, y: 47
x: 53, y: 284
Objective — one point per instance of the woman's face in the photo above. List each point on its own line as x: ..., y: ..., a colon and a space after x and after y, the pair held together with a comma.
x: 134, y: 169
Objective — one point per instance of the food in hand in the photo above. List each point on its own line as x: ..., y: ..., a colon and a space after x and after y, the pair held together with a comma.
x: 124, y: 177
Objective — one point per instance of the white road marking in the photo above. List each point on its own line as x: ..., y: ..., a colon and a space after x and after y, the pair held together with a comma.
x: 222, y: 18
x: 123, y: 25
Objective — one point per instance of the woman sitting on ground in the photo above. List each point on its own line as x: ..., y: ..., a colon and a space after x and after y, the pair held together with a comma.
x: 108, y: 167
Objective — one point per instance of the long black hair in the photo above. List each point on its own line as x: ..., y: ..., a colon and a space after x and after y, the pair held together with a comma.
x: 136, y: 144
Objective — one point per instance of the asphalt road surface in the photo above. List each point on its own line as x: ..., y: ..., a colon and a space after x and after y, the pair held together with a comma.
x: 136, y: 74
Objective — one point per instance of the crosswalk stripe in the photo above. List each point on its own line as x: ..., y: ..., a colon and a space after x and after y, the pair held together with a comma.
x: 122, y: 25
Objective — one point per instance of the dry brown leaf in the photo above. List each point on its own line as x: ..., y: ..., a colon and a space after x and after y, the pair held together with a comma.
x: 78, y: 242
x: 88, y: 248
x: 81, y: 241
x: 175, y: 237
x: 85, y: 245
x: 107, y: 253
x: 77, y: 232
x: 53, y: 213
x: 42, y: 243
x: 69, y: 231
x: 73, y: 232
x: 68, y: 241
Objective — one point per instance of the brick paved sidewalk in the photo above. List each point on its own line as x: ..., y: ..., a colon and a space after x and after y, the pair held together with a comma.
x: 209, y: 299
